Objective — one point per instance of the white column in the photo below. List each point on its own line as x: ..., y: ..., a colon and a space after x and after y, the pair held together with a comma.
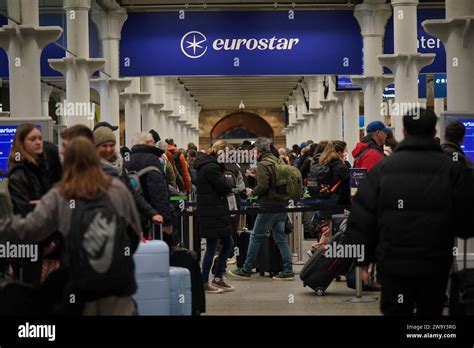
x: 45, y: 94
x: 77, y: 67
x: 406, y: 62
x: 439, y: 109
x: 23, y: 44
x: 149, y: 112
x: 372, y: 17
x: 133, y: 107
x: 109, y: 25
x: 168, y: 108
x: 457, y: 34
x: 160, y: 97
x: 351, y: 104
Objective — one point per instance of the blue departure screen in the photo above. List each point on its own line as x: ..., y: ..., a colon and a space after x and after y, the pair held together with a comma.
x: 468, y: 146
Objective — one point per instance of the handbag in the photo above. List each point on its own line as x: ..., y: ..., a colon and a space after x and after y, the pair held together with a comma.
x: 462, y: 290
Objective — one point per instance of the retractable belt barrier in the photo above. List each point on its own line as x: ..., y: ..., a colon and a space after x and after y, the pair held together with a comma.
x: 186, y: 209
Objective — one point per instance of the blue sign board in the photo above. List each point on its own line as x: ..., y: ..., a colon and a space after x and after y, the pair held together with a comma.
x: 440, y: 86
x: 426, y: 42
x: 52, y: 51
x: 241, y: 43
x: 344, y: 83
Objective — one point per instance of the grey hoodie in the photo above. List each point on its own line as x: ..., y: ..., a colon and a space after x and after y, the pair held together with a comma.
x: 53, y: 213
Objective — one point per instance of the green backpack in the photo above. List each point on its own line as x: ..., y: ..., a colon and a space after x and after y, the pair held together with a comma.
x: 288, y: 181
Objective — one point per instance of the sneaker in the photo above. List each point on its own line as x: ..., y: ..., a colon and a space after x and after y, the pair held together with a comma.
x: 232, y: 261
x: 240, y: 274
x: 209, y: 289
x: 214, y: 264
x: 284, y: 276
x: 221, y: 283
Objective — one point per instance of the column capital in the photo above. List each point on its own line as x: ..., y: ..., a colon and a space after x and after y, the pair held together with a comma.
x: 351, y: 95
x: 365, y: 81
x: 83, y: 5
x: 396, y: 3
x: 64, y: 64
x: 141, y: 96
x: 42, y: 35
x: 406, y: 60
x: 109, y: 24
x: 442, y: 28
x: 372, y: 17
x: 102, y: 82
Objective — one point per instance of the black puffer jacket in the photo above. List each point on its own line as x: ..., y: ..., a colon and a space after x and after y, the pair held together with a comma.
x: 212, y: 189
x: 154, y: 185
x: 409, y: 209
x: 28, y: 182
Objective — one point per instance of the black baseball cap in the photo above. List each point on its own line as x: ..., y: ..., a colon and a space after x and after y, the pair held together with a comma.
x: 105, y: 124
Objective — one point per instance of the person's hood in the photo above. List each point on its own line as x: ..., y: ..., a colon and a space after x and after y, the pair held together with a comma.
x: 146, y: 149
x: 203, y: 159
x: 367, y: 141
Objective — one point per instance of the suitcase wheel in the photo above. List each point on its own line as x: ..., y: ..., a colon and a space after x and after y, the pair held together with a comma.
x: 319, y: 291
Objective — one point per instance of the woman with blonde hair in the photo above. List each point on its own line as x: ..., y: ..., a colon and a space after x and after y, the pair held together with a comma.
x: 212, y: 212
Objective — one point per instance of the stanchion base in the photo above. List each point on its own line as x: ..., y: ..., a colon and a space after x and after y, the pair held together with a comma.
x: 298, y: 263
x: 362, y: 299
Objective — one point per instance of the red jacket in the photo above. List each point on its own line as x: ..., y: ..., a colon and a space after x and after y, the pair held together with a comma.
x: 370, y: 157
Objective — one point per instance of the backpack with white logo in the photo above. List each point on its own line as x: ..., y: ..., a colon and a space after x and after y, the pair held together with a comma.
x: 100, y: 251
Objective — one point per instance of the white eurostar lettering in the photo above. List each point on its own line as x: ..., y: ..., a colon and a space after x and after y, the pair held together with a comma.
x: 253, y: 44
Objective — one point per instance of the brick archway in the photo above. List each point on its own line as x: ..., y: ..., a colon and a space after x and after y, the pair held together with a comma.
x: 245, y: 121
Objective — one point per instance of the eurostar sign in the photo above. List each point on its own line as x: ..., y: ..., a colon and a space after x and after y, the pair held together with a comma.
x: 193, y: 44
x: 240, y: 43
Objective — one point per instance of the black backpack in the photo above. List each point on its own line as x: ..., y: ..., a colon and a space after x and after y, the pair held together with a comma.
x: 320, y: 181
x: 100, y: 251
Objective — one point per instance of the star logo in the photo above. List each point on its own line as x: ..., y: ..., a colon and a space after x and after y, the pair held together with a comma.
x: 191, y: 44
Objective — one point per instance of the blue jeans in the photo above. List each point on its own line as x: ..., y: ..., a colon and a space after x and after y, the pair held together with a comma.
x: 263, y: 224
x: 211, y: 244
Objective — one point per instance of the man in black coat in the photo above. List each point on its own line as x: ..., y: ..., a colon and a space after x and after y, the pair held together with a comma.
x: 407, y: 213
x: 154, y: 186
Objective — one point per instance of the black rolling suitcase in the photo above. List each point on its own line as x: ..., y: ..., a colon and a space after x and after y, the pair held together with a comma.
x: 320, y: 271
x: 242, y: 241
x: 269, y: 258
x: 188, y: 259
